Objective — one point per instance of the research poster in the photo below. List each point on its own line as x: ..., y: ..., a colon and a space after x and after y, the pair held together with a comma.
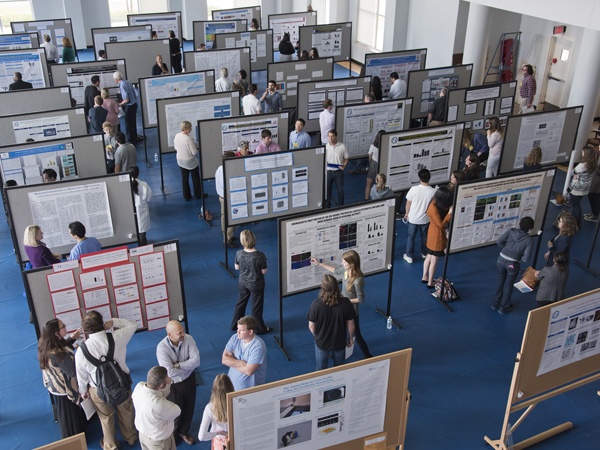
x: 485, y: 211
x: 314, y: 413
x: 544, y: 131
x: 363, y: 122
x: 121, y: 36
x: 216, y: 60
x: 42, y: 128
x: 193, y: 112
x: 287, y: 81
x: 78, y: 78
x: 433, y: 84
x: 212, y: 28
x: 236, y: 14
x: 171, y: 86
x: 341, y: 93
x: 328, y: 39
x: 410, y: 152
x: 286, y: 25
x: 15, y: 42
x: 327, y: 236
x: 383, y: 67
x: 42, y: 27
x: 573, y: 331
x: 28, y: 62
x: 161, y: 23
x: 257, y: 44
x: 232, y: 133
x: 53, y: 210
x: 26, y: 166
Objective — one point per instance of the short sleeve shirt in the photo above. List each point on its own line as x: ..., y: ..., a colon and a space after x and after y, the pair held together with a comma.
x: 330, y: 323
x: 254, y: 353
x: 251, y: 266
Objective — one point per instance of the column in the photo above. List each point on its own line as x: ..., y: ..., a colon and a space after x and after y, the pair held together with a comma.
x: 476, y: 40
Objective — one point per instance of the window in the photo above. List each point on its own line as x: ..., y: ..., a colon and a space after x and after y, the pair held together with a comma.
x: 14, y: 12
x: 371, y: 21
x: 216, y: 5
x: 119, y: 10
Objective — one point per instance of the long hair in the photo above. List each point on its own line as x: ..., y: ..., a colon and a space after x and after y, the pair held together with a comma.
x: 218, y: 397
x: 495, y: 126
x: 29, y: 237
x: 353, y: 258
x: 472, y: 172
x: 135, y: 173
x: 377, y: 140
x: 467, y: 138
x: 50, y: 343
x: 588, y: 157
x: 534, y: 157
x: 330, y: 291
x: 569, y: 227
x: 442, y: 201
x: 380, y: 180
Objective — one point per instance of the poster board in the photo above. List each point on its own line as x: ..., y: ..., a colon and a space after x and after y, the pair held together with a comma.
x: 55, y: 28
x: 151, y: 298
x: 378, y: 385
x: 76, y: 442
x: 402, y: 62
x: 403, y: 153
x: 173, y: 85
x: 100, y: 36
x: 78, y: 76
x: 19, y: 41
x: 358, y: 124
x: 342, y: 91
x: 425, y: 85
x: 71, y: 158
x: 249, y: 13
x: 120, y: 200
x: 256, y: 187
x: 367, y: 228
x: 554, y: 131
x: 260, y: 43
x: 333, y: 40
x: 205, y: 30
x: 172, y: 111
x: 290, y: 23
x: 43, y: 125
x: 485, y: 209
x: 140, y: 56
x: 28, y: 100
x: 30, y: 62
x: 233, y: 59
x: 161, y: 22
x: 220, y: 135
x: 288, y: 74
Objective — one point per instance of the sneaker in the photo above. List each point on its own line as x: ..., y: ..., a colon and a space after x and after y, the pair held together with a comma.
x: 408, y: 259
x: 590, y: 218
x: 495, y: 308
x: 423, y: 256
x: 506, y: 311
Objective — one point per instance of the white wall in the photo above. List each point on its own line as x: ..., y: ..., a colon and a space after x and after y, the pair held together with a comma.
x: 502, y: 22
x: 153, y: 6
x: 461, y: 27
x: 396, y: 24
x: 192, y: 10
x: 60, y: 9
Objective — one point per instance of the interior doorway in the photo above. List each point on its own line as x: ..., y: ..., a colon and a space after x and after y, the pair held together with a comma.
x: 558, y: 65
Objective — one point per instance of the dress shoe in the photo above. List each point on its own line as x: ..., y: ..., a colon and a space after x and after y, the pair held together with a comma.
x: 187, y: 439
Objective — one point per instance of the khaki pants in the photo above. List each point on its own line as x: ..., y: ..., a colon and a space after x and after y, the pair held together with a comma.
x: 229, y: 229
x: 106, y: 414
x: 435, y: 123
x: 522, y: 104
x: 150, y: 444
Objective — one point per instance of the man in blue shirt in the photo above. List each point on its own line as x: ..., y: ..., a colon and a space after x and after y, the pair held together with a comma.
x: 246, y: 356
x: 129, y: 105
x: 272, y: 98
x: 299, y: 138
x: 84, y: 245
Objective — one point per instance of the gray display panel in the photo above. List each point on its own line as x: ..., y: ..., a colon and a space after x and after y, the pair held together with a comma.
x: 425, y: 85
x: 120, y: 199
x: 485, y: 209
x: 140, y: 56
x: 275, y: 184
x: 554, y: 131
x: 78, y: 76
x: 367, y: 228
x: 330, y: 40
x: 403, y: 153
x: 101, y: 36
x: 205, y: 30
x: 175, y: 85
x: 31, y: 63
x: 342, y: 91
x: 71, y: 158
x: 55, y: 28
x: 41, y: 126
x: 233, y: 59
x: 290, y: 23
x: 162, y: 23
x: 382, y: 64
x: 357, y: 125
x: 288, y: 74
x: 19, y: 41
x: 476, y: 105
x: 260, y: 43
x: 220, y: 135
x: 38, y: 291
x: 27, y: 100
x: 249, y: 13
x: 172, y: 111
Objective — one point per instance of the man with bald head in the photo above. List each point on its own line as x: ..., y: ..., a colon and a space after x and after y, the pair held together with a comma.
x: 179, y: 355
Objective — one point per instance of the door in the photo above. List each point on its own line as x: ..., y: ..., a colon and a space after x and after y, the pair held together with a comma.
x: 560, y: 55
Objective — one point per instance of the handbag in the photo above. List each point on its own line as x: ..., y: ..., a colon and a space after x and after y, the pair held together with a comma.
x: 530, y: 278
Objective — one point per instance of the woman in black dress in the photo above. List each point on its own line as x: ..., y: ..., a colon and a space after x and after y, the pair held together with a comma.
x: 175, y: 50
x: 286, y: 49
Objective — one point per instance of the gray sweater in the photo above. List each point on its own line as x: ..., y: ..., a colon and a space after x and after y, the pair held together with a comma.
x: 552, y: 284
x: 516, y: 245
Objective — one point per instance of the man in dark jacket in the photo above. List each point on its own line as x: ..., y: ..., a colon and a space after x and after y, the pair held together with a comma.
x: 91, y: 92
x: 19, y: 83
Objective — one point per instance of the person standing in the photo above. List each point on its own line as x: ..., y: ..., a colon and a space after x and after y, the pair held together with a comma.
x: 243, y: 81
x: 110, y: 146
x: 373, y: 163
x: 567, y: 227
x: 583, y: 173
x: 187, y: 161
x: 175, y: 51
x: 215, y: 413
x: 142, y: 194
x: 68, y: 53
x: 337, y: 157
x: 439, y: 211
x: 272, y: 98
x: 89, y: 95
x: 52, y: 56
x: 267, y: 145
x: 113, y: 110
x: 417, y: 202
x: 398, y: 88
x: 97, y: 115
x: 437, y: 109
x: 528, y: 89
x: 286, y: 48
x: 326, y: 120
x: 39, y: 255
x: 129, y: 105
x: 594, y: 198
x: 220, y: 188
x: 495, y: 140
x: 18, y: 83
x: 126, y: 154
x: 84, y: 244
x: 223, y: 84
x: 179, y: 354
x: 553, y: 280
x: 298, y: 137
x: 251, y: 105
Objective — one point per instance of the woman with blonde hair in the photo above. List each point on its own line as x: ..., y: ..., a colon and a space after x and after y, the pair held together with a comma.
x: 68, y: 53
x: 215, y: 414
x: 380, y: 190
x: 495, y: 139
x: 533, y: 160
x: 113, y: 109
x: 582, y: 180
x: 39, y: 255
x: 187, y: 161
x: 567, y: 226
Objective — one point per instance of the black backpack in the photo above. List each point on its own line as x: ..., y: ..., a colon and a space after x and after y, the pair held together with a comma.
x: 112, y: 382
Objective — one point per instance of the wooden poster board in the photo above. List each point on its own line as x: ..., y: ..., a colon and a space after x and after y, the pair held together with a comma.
x: 396, y: 409
x: 76, y: 442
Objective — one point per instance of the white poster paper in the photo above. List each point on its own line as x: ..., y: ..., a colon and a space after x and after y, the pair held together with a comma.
x: 153, y: 269
x: 157, y: 324
x: 384, y: 66
x: 126, y: 294
x: 60, y: 280
x: 233, y: 133
x: 104, y: 258
x: 71, y: 319
x: 42, y: 128
x: 131, y: 311
x: 95, y: 298
x: 216, y: 60
x: 543, y: 130
x: 156, y: 310
x: 91, y: 280
x: 123, y: 274
x: 155, y: 294
x: 28, y: 62
x: 64, y: 301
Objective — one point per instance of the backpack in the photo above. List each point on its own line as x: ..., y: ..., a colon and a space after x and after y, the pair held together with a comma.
x: 112, y: 382
x: 449, y: 291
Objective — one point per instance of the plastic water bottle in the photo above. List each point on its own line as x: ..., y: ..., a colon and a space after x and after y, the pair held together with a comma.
x: 156, y: 157
x: 389, y: 323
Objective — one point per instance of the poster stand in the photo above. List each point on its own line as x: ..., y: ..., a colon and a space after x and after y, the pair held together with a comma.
x: 587, y: 265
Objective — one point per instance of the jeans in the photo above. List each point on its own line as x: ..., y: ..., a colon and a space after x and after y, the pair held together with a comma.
x: 594, y: 203
x: 576, y: 204
x: 358, y: 339
x: 322, y: 357
x: 410, y: 240
x: 131, y: 122
x: 507, y: 274
x: 336, y: 176
x: 493, y: 164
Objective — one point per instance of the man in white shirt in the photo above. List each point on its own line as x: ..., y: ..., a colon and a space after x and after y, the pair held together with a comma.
x: 326, y: 120
x: 417, y: 202
x: 179, y: 354
x: 52, y: 55
x: 97, y: 345
x: 398, y: 89
x: 223, y: 84
x: 337, y: 157
x: 250, y: 103
x: 154, y: 414
x: 219, y: 185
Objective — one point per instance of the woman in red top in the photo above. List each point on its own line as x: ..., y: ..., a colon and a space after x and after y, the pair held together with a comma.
x: 440, y: 213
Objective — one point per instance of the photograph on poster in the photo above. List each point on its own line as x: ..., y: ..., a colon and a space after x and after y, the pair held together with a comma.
x: 91, y: 280
x: 545, y: 131
x: 126, y: 294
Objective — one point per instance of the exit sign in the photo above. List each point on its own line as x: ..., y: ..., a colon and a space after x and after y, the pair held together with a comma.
x: 560, y: 29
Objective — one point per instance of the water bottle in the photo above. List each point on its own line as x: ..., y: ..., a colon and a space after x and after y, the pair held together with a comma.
x: 202, y: 212
x: 156, y: 157
x: 389, y: 323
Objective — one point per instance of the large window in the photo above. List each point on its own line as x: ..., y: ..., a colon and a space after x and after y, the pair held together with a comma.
x: 119, y: 10
x: 371, y: 20
x: 11, y: 11
x: 213, y: 5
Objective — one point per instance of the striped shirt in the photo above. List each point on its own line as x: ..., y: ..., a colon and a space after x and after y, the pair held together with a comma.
x: 528, y: 88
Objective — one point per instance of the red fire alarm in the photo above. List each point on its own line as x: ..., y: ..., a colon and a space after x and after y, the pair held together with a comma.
x: 560, y: 29
x: 554, y: 60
